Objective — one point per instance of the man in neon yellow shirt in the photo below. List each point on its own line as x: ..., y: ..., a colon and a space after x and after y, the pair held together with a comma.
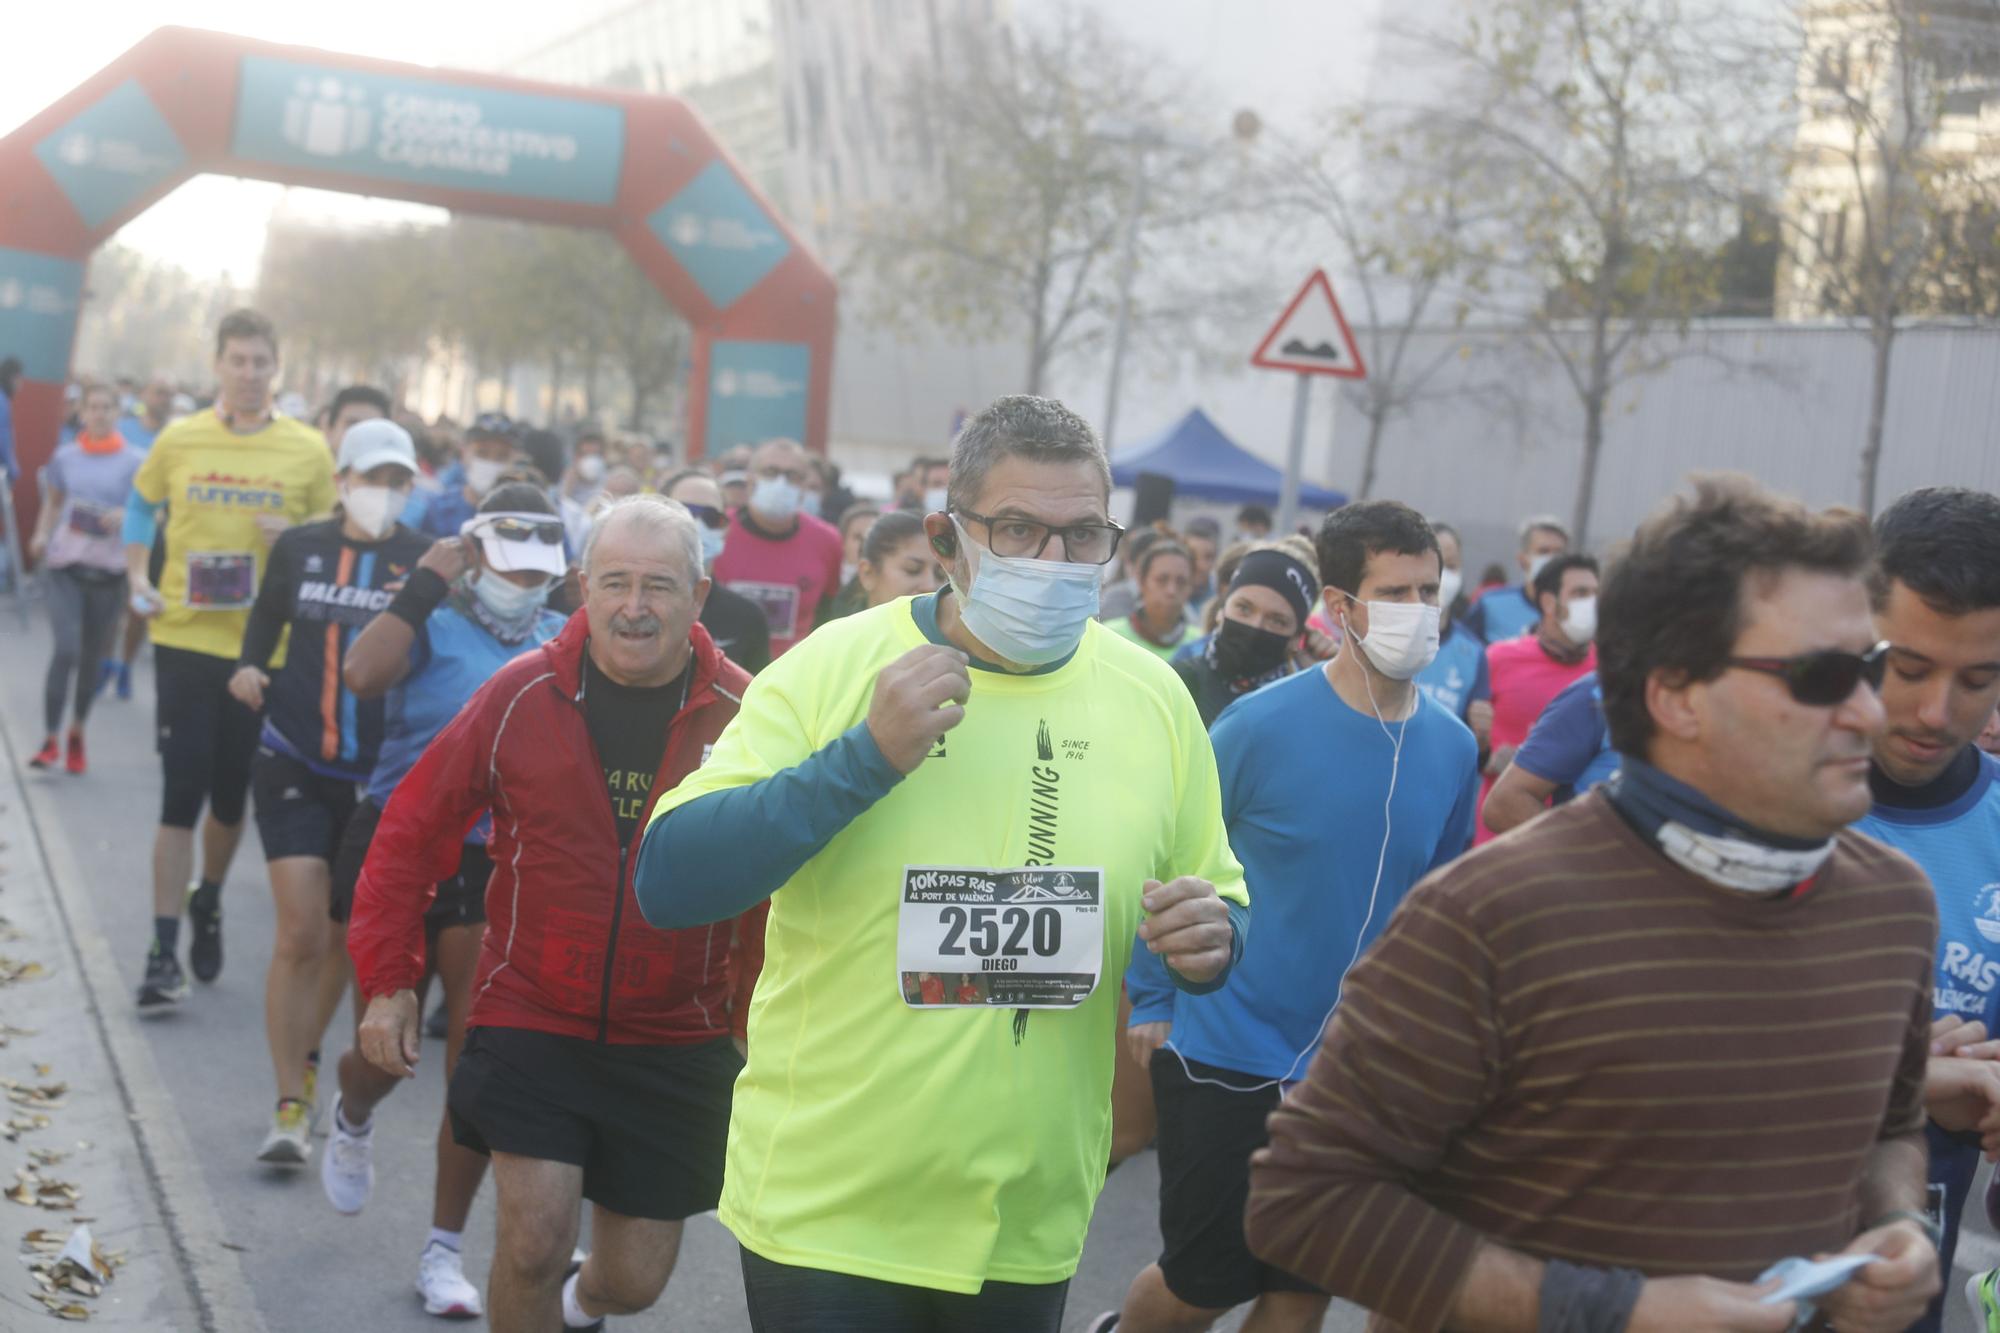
x: 230, y: 480
x: 981, y: 781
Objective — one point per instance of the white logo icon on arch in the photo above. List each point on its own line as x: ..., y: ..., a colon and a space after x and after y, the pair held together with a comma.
x: 326, y: 118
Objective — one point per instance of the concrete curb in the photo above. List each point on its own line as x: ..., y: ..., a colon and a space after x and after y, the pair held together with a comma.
x: 206, y: 1258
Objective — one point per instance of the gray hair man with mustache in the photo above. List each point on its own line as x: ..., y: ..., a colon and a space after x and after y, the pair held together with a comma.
x: 597, y: 1063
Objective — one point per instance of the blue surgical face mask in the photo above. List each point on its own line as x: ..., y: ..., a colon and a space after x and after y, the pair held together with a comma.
x: 776, y: 498
x: 712, y: 540
x: 809, y: 503
x: 1030, y: 612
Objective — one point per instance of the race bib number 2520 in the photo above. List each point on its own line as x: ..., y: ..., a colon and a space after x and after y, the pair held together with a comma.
x: 1030, y: 938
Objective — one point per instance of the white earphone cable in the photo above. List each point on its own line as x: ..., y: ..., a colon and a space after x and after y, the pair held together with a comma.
x: 1374, y: 895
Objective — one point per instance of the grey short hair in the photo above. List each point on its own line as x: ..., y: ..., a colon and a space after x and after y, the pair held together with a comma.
x: 1542, y: 523
x: 1020, y: 424
x: 654, y: 511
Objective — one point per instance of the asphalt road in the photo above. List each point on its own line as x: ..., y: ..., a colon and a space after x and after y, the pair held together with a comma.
x: 311, y: 1269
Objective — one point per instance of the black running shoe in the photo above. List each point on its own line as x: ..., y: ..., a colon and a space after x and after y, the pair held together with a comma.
x: 204, y: 911
x: 164, y: 985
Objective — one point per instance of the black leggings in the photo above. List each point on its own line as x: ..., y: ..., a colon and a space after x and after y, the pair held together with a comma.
x: 784, y: 1299
x: 206, y: 738
x: 83, y: 609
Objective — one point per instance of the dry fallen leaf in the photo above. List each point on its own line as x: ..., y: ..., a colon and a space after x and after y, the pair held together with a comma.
x: 22, y: 1123
x: 12, y: 971
x: 47, y: 1097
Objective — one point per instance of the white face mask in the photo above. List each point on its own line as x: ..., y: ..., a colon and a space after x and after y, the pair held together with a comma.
x: 1579, y: 622
x: 483, y: 474
x: 590, y: 469
x: 1449, y: 583
x: 374, y: 509
x: 1402, y: 637
x: 507, y: 600
x: 1031, y: 612
x: 776, y: 499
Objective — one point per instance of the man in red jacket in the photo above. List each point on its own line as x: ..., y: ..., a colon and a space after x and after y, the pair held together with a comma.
x: 598, y: 1063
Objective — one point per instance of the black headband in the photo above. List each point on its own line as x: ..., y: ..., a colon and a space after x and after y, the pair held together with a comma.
x: 1282, y: 574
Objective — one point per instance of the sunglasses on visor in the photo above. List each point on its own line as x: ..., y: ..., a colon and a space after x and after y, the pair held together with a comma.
x: 1824, y: 679
x: 519, y: 528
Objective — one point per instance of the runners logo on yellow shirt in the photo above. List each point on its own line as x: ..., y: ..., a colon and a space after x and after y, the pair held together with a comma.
x: 219, y: 488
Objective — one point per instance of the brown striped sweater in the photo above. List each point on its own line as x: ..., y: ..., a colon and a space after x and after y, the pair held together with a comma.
x: 1566, y: 1044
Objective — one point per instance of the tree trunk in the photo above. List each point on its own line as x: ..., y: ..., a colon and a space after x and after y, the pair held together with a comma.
x: 642, y: 393
x: 1597, y: 392
x: 1038, y: 352
x: 1881, y: 332
x: 1377, y: 421
x: 1586, y: 482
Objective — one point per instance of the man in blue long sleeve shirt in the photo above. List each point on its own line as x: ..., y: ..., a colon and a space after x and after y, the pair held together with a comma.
x: 1342, y: 787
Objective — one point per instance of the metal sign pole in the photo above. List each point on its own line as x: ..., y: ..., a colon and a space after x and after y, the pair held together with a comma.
x: 1295, y: 457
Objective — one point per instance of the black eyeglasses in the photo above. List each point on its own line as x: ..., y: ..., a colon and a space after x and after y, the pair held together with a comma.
x: 1024, y: 538
x: 515, y: 528
x: 1824, y: 679
x: 709, y: 516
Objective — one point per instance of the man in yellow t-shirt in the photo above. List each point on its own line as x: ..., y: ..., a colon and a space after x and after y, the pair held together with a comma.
x: 230, y: 480
x: 979, y: 782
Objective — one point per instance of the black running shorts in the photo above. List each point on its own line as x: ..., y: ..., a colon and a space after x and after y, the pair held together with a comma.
x: 204, y: 736
x: 460, y: 901
x: 1206, y: 1136
x: 299, y: 812
x: 648, y: 1124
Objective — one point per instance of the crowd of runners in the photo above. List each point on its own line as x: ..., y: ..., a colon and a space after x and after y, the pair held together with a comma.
x: 882, y: 874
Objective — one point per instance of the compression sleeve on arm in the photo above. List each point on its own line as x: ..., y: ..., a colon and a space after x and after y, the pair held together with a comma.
x: 721, y: 854
x: 142, y: 520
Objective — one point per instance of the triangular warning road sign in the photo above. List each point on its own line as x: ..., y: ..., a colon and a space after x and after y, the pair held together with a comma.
x: 1312, y: 337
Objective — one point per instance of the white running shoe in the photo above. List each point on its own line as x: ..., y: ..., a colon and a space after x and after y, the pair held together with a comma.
x: 290, y: 1141
x: 441, y: 1282
x: 347, y: 1172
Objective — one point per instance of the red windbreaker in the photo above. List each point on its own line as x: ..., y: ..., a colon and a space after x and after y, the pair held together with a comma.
x: 566, y: 949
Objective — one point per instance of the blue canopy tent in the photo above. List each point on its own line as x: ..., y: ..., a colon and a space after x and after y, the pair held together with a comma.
x: 1205, y: 464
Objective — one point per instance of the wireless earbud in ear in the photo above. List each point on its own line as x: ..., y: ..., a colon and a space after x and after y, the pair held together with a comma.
x: 945, y: 544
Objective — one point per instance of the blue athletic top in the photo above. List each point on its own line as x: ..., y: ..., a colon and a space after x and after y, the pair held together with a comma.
x: 1304, y: 779
x: 439, y: 513
x: 1958, y: 845
x: 1457, y: 675
x: 136, y: 432
x: 1504, y: 613
x: 453, y: 655
x: 1569, y: 744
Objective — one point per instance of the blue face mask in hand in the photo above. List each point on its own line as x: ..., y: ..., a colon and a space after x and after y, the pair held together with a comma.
x: 1029, y: 612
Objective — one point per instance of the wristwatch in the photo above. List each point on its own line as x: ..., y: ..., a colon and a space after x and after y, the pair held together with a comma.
x: 1928, y: 1223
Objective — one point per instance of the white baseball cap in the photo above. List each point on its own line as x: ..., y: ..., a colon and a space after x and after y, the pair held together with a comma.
x: 371, y: 443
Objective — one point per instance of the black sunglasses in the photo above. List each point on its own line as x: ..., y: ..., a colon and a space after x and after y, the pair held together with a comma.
x: 709, y: 516
x: 1824, y: 679
x: 512, y: 528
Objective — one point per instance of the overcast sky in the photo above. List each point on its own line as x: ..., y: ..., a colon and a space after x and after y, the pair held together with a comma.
x: 1281, y: 57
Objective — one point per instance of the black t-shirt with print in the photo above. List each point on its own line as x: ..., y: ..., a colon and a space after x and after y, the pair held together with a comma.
x: 628, y: 725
